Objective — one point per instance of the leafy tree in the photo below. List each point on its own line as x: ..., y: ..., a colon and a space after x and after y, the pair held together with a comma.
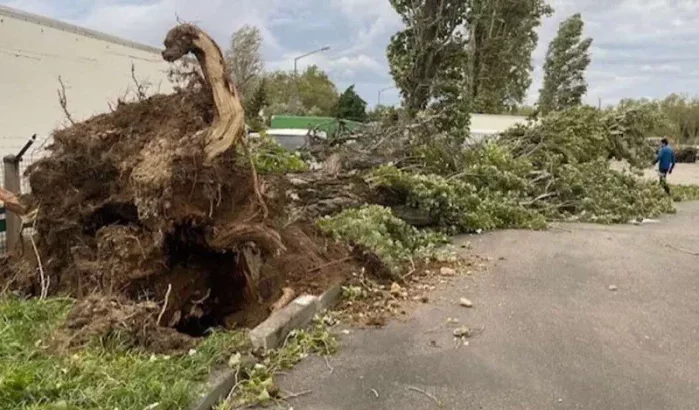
x: 456, y: 54
x: 351, y: 106
x: 255, y: 104
x: 564, y: 70
x: 316, y: 92
x: 428, y: 56
x: 501, y: 38
x: 244, y: 60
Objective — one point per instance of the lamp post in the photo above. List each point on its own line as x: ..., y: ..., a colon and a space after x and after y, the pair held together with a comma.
x: 382, y: 90
x: 296, y: 59
x: 296, y: 73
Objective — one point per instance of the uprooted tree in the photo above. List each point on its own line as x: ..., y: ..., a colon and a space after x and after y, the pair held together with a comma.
x: 154, y: 218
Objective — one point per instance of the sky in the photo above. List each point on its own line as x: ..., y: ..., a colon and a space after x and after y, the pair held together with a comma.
x: 641, y: 48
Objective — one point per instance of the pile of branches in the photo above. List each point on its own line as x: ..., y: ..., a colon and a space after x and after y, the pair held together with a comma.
x: 555, y: 169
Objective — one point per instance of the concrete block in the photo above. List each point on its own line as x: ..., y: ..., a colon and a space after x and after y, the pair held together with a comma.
x: 330, y: 297
x: 221, y: 383
x: 297, y: 314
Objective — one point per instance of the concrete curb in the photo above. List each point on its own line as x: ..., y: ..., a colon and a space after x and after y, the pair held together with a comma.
x: 271, y: 334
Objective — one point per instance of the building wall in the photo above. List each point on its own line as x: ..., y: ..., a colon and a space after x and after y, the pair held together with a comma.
x: 95, y: 68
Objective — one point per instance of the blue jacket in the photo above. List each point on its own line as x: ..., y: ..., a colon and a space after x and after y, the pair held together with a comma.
x: 665, y: 159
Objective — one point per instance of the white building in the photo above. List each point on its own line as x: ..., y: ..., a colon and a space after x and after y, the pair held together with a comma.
x: 486, y: 125
x: 95, y: 68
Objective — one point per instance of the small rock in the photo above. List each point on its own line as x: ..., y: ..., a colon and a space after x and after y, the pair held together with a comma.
x: 445, y: 271
x: 613, y: 288
x: 465, y: 303
x: 345, y: 332
x: 560, y: 400
x: 462, y: 332
x: 396, y: 290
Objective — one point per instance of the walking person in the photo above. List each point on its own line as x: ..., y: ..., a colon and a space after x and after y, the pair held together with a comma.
x: 666, y: 163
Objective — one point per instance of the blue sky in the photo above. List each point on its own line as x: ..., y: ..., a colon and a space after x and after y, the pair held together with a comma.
x: 642, y: 48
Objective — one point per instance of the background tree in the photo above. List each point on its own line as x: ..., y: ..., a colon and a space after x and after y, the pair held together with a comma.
x: 351, y: 106
x: 501, y: 38
x: 427, y: 49
x: 244, y: 60
x: 564, y: 70
x: 317, y: 93
x: 254, y: 106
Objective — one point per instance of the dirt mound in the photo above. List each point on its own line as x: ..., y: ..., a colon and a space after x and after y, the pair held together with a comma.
x: 134, y: 206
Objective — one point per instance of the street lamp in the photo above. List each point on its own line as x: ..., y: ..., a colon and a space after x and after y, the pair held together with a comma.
x: 382, y: 90
x: 296, y: 73
x: 296, y: 60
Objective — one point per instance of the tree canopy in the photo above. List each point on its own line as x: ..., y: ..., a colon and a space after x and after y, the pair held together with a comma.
x: 317, y: 94
x: 564, y: 70
x: 351, y: 106
x: 244, y: 60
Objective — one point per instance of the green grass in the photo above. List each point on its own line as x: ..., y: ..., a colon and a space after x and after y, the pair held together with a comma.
x: 32, y: 376
x: 682, y: 193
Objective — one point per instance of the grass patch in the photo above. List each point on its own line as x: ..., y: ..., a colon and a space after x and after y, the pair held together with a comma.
x: 681, y: 193
x: 106, y: 376
x: 255, y: 384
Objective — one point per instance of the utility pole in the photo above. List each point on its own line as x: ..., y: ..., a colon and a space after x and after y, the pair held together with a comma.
x: 296, y: 73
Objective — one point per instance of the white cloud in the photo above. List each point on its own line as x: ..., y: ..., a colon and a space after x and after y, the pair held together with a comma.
x: 641, y: 47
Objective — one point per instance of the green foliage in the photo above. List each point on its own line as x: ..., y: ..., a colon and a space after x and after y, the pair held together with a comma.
x: 254, y: 106
x: 501, y: 38
x: 256, y: 385
x: 427, y: 61
x: 317, y: 94
x: 556, y: 169
x: 678, y: 116
x: 564, y: 70
x: 458, y: 204
x: 34, y: 377
x: 271, y: 158
x: 244, y: 60
x: 351, y: 106
x: 681, y: 193
x: 377, y: 229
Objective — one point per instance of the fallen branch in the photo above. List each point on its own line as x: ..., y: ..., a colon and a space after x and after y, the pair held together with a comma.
x: 439, y: 404
x: 682, y: 250
x: 295, y: 395
x: 375, y: 393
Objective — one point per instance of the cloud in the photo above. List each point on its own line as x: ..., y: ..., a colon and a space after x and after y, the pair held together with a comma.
x: 641, y: 47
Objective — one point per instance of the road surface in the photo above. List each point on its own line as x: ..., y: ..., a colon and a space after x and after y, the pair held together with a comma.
x: 555, y: 336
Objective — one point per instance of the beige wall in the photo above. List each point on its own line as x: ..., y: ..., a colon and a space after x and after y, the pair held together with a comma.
x: 496, y: 123
x: 95, y: 68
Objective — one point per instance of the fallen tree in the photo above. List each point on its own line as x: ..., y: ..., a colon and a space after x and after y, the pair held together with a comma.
x: 154, y: 218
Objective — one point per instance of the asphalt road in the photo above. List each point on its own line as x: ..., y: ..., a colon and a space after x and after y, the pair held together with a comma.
x: 555, y: 336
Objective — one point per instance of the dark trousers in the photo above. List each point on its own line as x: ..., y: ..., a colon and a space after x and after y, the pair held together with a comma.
x: 663, y: 181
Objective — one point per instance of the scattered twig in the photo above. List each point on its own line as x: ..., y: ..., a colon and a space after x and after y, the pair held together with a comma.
x: 167, y: 297
x: 295, y: 395
x: 63, y: 100
x: 436, y: 400
x: 327, y: 363
x: 42, y: 275
x: 682, y: 250
x: 375, y: 393
x: 140, y: 88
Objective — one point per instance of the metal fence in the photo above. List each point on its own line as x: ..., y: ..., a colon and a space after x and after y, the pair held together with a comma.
x: 30, y: 152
